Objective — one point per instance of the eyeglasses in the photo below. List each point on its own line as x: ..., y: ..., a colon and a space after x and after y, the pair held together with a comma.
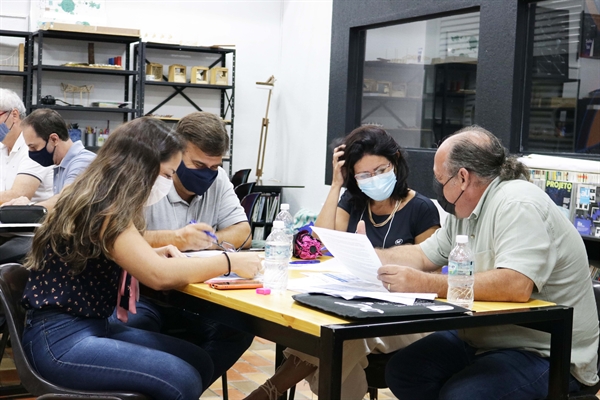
x: 365, y: 175
x: 228, y: 247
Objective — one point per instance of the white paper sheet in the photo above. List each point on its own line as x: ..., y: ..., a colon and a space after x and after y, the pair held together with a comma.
x: 203, y: 253
x: 354, y: 251
x: 348, y: 286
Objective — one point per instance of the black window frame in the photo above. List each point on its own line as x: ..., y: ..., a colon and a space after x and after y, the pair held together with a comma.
x: 501, y: 71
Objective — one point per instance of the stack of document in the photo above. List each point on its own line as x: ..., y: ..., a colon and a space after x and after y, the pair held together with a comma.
x: 353, y: 273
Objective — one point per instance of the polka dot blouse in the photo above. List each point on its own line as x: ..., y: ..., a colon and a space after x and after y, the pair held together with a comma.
x: 92, y: 293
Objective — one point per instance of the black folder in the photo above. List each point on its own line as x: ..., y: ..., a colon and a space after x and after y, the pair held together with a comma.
x: 374, y: 308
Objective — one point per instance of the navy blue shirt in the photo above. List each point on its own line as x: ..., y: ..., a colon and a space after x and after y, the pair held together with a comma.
x: 418, y: 215
x: 91, y: 294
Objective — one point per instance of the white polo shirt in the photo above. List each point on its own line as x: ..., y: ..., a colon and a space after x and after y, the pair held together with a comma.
x: 18, y: 162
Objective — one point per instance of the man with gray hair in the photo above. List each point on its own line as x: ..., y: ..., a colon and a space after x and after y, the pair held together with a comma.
x: 19, y: 175
x: 523, y: 248
x: 201, y: 211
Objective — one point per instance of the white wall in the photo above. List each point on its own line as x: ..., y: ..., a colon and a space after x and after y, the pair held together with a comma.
x: 297, y: 146
x: 287, y: 38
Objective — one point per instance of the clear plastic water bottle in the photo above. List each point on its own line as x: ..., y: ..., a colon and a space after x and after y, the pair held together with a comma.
x: 277, y: 257
x: 288, y: 221
x: 461, y: 273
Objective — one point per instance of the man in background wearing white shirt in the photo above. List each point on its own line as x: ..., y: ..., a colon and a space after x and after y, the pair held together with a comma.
x: 19, y: 175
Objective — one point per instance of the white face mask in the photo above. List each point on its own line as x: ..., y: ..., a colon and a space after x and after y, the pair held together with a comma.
x: 160, y: 189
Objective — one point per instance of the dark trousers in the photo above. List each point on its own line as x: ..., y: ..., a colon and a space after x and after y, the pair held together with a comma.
x: 14, y: 249
x: 443, y: 367
x: 223, y: 344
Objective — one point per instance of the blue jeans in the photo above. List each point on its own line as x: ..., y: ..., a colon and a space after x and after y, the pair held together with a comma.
x: 92, y: 354
x: 442, y: 366
x: 223, y: 344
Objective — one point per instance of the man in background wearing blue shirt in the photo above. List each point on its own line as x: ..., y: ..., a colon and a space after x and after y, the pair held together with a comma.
x: 47, y: 137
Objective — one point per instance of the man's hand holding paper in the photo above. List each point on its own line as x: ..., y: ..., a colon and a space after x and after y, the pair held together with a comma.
x: 358, y: 256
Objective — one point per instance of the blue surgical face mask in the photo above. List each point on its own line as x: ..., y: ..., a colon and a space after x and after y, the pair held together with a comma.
x: 43, y: 156
x: 4, y: 129
x: 196, y: 180
x: 378, y: 187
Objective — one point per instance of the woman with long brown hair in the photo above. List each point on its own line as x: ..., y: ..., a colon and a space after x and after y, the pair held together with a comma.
x: 78, y: 254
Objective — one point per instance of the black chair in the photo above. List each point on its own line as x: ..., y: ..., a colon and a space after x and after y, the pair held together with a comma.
x: 375, y: 373
x: 244, y: 189
x: 589, y: 392
x: 248, y: 203
x: 13, y: 278
x: 240, y: 177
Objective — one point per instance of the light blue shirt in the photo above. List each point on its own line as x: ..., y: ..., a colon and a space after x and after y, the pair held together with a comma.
x: 75, y: 162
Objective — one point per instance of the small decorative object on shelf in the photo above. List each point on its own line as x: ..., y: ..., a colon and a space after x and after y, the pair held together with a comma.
x: 398, y: 89
x: 384, y: 88
x: 68, y: 88
x: 155, y: 71
x: 115, y: 60
x: 219, y: 76
x: 16, y: 59
x: 86, y: 65
x: 199, y: 75
x: 177, y: 73
x: 369, y: 85
x: 74, y: 132
x: 21, y: 57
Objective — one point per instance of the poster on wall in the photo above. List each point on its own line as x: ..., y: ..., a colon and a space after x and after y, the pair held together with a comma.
x: 82, y: 12
x: 590, y: 30
x: 590, y: 36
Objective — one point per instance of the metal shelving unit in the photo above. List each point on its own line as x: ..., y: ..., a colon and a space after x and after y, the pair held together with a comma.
x: 219, y: 57
x: 26, y: 73
x: 40, y: 69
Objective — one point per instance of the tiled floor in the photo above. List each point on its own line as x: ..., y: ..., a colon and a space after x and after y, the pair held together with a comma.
x: 252, y: 369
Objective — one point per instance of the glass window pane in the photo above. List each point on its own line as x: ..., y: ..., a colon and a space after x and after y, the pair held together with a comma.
x: 564, y: 76
x: 419, y: 78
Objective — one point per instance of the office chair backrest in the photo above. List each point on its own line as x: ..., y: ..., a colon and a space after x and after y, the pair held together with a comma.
x: 589, y: 393
x: 248, y: 203
x: 13, y: 278
x: 240, y: 177
x: 244, y: 189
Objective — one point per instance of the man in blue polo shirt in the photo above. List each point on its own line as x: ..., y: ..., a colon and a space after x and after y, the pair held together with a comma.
x: 46, y: 135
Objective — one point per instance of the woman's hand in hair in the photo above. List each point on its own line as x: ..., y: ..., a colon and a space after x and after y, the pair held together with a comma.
x: 245, y: 264
x: 338, y: 162
x: 168, y: 251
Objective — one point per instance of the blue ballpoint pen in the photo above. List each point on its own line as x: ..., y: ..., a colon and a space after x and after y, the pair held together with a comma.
x: 305, y: 262
x: 209, y: 233
x: 212, y: 236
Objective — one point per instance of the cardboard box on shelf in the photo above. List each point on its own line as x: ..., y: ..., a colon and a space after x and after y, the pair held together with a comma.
x: 104, y: 30
x: 563, y: 102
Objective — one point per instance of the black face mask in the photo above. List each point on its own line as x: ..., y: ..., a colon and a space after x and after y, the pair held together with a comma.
x: 196, y: 180
x: 438, y: 189
x: 43, y: 156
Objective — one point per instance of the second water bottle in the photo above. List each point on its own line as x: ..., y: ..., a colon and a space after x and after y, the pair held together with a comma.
x: 277, y: 257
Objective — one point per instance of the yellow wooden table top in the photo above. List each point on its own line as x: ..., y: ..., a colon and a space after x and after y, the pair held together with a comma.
x: 283, y: 310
